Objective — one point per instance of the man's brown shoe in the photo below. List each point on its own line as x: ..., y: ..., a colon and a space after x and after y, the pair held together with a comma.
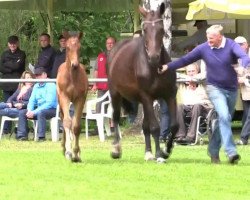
x: 215, y: 159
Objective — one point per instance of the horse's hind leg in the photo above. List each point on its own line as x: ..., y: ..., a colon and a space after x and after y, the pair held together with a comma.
x: 173, y: 125
x: 76, y: 127
x: 116, y: 103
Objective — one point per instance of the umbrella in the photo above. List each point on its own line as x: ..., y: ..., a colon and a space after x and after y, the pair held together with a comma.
x: 218, y: 9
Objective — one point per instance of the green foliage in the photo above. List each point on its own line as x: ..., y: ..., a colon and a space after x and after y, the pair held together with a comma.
x: 95, y: 26
x: 32, y: 170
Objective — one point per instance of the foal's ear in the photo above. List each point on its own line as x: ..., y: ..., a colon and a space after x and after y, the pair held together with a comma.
x: 66, y: 34
x: 80, y: 35
x: 142, y: 11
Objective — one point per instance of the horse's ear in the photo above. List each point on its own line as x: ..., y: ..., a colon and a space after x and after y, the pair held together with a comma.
x: 65, y: 34
x: 80, y: 35
x: 162, y: 8
x: 142, y: 11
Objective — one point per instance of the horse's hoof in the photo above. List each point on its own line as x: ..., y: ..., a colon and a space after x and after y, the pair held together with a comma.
x: 164, y: 153
x: 68, y: 155
x: 160, y: 160
x: 149, y: 156
x: 76, y: 160
x: 115, y: 155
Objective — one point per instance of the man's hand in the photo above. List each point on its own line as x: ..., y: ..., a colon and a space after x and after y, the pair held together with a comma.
x: 94, y: 88
x: 30, y: 114
x: 9, y: 105
x: 163, y: 69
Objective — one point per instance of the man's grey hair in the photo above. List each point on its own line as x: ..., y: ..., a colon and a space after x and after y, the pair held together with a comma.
x: 217, y: 29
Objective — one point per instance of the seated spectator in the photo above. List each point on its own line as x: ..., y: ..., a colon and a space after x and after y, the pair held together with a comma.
x: 194, y: 103
x: 245, y: 93
x: 41, y: 106
x: 19, y: 99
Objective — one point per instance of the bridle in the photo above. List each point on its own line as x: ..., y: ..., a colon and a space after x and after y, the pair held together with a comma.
x: 153, y: 24
x: 150, y: 22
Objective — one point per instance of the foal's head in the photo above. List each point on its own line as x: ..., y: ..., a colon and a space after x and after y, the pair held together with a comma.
x: 73, y: 49
x: 153, y: 32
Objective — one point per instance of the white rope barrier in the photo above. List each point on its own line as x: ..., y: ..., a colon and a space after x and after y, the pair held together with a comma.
x: 91, y: 80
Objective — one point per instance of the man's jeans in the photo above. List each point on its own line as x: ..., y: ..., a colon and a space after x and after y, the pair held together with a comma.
x: 41, y: 117
x: 165, y: 119
x: 224, y: 103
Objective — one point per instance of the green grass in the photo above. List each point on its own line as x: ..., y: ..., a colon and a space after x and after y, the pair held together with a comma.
x: 31, y: 170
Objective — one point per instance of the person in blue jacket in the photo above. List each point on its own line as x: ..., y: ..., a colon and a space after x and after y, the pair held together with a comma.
x: 42, y: 106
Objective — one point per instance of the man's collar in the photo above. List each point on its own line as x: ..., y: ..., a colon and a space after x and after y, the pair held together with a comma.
x: 222, y: 45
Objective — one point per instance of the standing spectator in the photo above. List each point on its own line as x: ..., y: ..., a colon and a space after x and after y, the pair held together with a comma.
x: 245, y: 95
x: 194, y: 103
x: 59, y: 56
x: 12, y: 65
x: 42, y: 106
x: 219, y: 54
x: 101, y: 72
x: 47, y: 54
x: 197, y: 38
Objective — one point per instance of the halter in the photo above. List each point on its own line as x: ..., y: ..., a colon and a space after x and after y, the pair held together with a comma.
x: 150, y: 22
x: 153, y: 24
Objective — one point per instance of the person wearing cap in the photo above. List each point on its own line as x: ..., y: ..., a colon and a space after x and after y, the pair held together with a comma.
x: 197, y: 38
x: 12, y: 65
x: 41, y: 106
x: 59, y: 56
x: 219, y: 54
x: 47, y: 54
x: 245, y: 94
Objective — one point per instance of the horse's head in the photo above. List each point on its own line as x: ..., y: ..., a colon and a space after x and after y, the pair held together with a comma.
x: 73, y: 48
x: 153, y: 32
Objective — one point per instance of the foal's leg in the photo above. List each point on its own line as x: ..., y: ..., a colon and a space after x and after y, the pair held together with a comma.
x: 116, y: 103
x: 67, y: 123
x: 76, y: 127
x: 173, y: 125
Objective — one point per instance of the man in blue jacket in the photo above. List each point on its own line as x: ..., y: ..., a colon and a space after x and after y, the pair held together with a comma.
x: 219, y: 54
x: 42, y: 106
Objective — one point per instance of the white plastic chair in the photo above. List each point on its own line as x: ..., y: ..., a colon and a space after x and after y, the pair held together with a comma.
x: 102, y: 118
x: 5, y: 118
x: 54, y: 125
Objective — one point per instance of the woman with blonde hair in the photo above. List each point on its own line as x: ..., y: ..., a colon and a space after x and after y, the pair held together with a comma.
x: 19, y: 99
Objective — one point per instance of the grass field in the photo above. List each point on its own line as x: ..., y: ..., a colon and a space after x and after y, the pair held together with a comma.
x: 31, y: 170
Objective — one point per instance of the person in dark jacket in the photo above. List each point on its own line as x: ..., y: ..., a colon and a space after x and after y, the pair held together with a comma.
x: 59, y: 56
x: 47, y: 54
x: 12, y: 65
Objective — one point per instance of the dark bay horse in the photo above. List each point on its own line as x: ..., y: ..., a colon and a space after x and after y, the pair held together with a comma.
x: 72, y: 86
x: 133, y: 76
